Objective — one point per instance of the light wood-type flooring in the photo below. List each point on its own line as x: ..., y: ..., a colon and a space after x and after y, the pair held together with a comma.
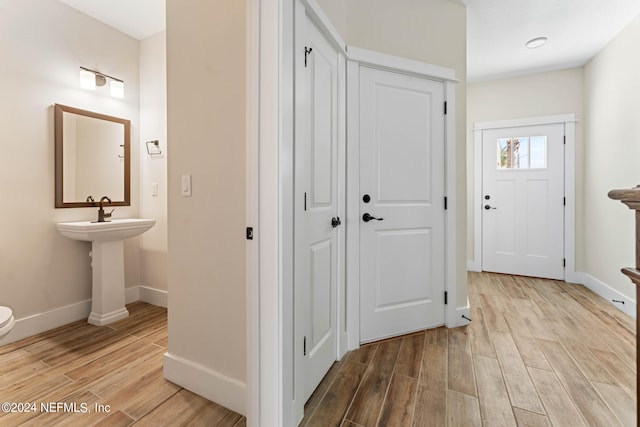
x: 537, y: 353
x: 119, y: 365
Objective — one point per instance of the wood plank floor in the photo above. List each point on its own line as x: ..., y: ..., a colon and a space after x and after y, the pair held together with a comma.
x: 119, y: 365
x: 537, y: 353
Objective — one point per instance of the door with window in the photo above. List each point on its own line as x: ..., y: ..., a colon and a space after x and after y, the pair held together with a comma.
x: 401, y: 203
x: 523, y: 201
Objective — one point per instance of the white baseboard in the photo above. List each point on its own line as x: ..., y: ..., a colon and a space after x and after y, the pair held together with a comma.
x: 608, y: 293
x: 146, y: 294
x: 154, y: 296
x: 474, y: 266
x: 210, y: 384
x: 463, y: 311
x: 43, y: 322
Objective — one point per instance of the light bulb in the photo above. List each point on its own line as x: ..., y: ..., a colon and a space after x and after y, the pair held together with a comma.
x: 87, y: 79
x: 116, y: 89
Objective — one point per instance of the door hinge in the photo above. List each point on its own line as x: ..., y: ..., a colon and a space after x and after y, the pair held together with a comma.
x: 564, y: 201
x: 305, y: 201
x: 564, y: 139
x: 307, y: 51
x: 564, y: 262
x: 445, y: 203
x: 304, y: 346
x: 446, y: 298
x: 445, y: 107
x: 249, y: 233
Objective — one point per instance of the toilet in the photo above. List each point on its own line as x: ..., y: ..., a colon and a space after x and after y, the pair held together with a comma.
x: 6, y: 321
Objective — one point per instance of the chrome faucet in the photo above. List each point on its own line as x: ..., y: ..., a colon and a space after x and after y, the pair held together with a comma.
x: 101, y: 213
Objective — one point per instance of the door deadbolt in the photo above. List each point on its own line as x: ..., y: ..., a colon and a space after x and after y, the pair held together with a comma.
x: 366, y: 198
x: 487, y: 197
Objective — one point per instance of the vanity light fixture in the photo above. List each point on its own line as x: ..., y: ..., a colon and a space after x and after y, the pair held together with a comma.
x: 535, y: 43
x: 90, y: 79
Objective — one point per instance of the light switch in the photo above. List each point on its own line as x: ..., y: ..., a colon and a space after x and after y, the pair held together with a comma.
x: 154, y: 189
x: 186, y: 185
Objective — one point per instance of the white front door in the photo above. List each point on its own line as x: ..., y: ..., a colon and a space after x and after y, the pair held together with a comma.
x: 316, y: 204
x: 523, y: 201
x: 402, y: 189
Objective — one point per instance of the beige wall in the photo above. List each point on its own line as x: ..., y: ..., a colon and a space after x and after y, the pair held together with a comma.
x: 612, y: 152
x: 42, y: 44
x: 429, y: 31
x: 153, y: 169
x: 336, y: 11
x: 206, y: 78
x: 543, y: 94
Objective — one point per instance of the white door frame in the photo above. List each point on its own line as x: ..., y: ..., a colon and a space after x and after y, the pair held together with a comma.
x: 360, y: 57
x: 569, y: 122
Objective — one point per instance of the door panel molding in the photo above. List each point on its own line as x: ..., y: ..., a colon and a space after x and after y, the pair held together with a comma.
x: 569, y: 121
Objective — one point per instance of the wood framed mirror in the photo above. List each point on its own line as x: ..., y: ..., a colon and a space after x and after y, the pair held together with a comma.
x: 92, y: 158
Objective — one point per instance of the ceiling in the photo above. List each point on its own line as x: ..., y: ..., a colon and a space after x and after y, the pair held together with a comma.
x: 136, y: 18
x: 577, y: 30
x: 496, y: 30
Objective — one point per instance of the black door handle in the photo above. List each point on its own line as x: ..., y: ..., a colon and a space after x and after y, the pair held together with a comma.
x: 487, y: 207
x: 335, y: 221
x: 366, y: 218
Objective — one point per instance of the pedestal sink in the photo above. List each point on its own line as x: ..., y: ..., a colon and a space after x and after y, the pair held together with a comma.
x: 107, y: 262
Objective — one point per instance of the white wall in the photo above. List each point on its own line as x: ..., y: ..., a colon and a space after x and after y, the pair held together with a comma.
x: 429, y: 31
x: 612, y: 155
x: 543, y: 94
x: 42, y: 44
x: 206, y: 76
x: 153, y: 169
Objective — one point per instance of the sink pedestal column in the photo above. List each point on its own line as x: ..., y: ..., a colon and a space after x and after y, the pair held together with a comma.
x: 107, y: 265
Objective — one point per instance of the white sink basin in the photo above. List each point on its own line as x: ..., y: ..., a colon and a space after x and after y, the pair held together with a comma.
x: 107, y: 262
x: 116, y: 229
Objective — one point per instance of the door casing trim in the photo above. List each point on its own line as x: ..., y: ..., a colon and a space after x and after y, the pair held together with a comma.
x: 569, y: 121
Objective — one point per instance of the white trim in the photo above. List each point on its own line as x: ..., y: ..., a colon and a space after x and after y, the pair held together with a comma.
x: 153, y: 296
x: 343, y: 336
x: 42, y: 322
x: 526, y: 121
x: 353, y: 197
x: 318, y: 17
x: 206, y: 382
x: 251, y: 211
x: 463, y: 311
x: 48, y: 320
x: 569, y: 121
x: 352, y: 220
x: 397, y: 63
x: 451, y: 279
x: 608, y: 293
x: 473, y: 266
x: 146, y: 294
x: 270, y: 341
